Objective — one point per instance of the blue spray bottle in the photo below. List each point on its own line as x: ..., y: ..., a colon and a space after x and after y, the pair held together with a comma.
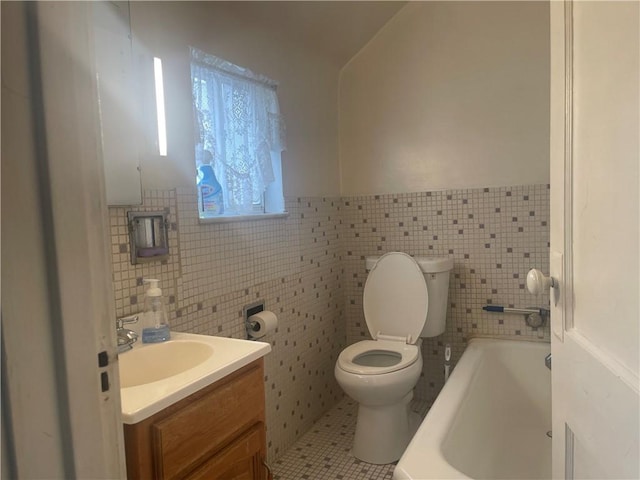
x: 209, y: 189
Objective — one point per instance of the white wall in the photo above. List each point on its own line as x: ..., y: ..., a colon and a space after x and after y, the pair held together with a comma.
x: 448, y: 95
x: 308, y: 90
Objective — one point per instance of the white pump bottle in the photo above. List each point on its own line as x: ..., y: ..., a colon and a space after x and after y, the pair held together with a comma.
x: 155, y: 327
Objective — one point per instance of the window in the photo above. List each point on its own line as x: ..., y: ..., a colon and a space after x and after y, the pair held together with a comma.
x: 239, y: 138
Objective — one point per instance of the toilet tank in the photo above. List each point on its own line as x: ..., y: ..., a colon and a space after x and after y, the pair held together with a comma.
x: 436, y: 273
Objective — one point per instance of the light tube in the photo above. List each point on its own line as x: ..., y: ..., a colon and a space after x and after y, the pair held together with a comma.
x: 162, y: 125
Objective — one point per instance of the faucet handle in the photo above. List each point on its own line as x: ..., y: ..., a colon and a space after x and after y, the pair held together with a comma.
x: 128, y: 319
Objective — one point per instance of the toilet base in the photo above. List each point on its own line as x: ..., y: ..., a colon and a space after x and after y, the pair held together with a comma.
x: 383, y: 432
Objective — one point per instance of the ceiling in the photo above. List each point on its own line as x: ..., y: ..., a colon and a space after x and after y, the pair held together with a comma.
x: 339, y: 29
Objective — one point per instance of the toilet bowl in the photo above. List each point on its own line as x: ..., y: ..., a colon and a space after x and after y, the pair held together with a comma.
x: 380, y: 374
x: 392, y: 371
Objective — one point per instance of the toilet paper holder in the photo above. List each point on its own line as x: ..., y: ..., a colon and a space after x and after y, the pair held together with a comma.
x: 247, y: 311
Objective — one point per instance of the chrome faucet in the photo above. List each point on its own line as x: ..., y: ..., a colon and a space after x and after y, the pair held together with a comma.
x: 126, y: 337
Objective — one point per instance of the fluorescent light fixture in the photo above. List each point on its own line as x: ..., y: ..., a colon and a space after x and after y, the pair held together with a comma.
x: 162, y: 124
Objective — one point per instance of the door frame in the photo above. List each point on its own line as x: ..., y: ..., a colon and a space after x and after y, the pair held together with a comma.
x: 74, y: 270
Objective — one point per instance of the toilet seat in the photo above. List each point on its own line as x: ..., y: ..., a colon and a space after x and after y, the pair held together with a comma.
x: 395, y: 300
x: 349, y: 356
x: 395, y: 304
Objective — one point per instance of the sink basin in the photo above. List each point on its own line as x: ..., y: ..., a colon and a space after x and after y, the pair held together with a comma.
x: 158, y: 361
x: 155, y: 376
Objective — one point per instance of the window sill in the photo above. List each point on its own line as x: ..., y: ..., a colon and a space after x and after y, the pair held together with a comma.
x: 243, y: 218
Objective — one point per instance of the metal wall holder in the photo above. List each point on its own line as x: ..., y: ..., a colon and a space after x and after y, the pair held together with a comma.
x: 148, y: 236
x: 534, y: 317
x: 247, y: 311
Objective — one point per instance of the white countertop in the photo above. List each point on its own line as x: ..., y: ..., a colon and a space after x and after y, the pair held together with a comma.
x: 229, y: 354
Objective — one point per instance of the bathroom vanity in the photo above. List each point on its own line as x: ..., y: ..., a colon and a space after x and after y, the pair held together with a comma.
x: 218, y: 432
x: 207, y: 422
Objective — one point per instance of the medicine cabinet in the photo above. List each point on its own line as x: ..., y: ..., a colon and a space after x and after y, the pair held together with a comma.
x: 119, y: 106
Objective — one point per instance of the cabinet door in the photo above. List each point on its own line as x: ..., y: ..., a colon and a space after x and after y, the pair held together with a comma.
x: 241, y: 460
x: 192, y: 434
x: 119, y: 110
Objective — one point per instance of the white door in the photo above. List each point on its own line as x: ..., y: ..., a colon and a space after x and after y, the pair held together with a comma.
x: 594, y: 238
x: 59, y: 420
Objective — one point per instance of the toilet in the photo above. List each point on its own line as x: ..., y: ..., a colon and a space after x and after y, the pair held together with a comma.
x: 404, y: 299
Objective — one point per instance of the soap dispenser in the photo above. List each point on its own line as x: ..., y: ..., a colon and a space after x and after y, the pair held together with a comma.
x: 155, y: 327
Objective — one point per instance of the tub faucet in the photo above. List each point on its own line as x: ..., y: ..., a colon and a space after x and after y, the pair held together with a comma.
x: 126, y: 337
x: 547, y: 361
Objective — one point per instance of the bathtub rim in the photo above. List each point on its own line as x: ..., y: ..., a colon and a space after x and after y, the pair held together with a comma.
x: 426, y: 447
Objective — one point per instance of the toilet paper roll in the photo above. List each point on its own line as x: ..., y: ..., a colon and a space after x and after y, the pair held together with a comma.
x: 262, y: 323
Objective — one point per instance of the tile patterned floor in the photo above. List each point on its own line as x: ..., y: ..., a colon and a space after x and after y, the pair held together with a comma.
x: 324, y: 452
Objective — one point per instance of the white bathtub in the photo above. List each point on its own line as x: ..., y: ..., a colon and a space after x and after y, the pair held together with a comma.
x: 491, y: 418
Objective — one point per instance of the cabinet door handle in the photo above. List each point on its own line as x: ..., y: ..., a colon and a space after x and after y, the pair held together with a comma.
x: 268, y: 468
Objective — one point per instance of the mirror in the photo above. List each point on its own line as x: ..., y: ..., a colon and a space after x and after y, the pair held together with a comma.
x: 118, y: 103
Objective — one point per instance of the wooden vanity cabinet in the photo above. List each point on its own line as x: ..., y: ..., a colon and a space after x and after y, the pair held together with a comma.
x: 215, y: 433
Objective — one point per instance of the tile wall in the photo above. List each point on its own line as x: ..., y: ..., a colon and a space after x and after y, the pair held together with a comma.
x: 495, y: 235
x: 309, y: 270
x: 293, y: 264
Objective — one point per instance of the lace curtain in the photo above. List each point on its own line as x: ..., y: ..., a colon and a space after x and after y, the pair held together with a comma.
x: 237, y: 120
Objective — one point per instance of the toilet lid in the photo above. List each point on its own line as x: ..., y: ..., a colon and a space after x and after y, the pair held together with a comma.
x: 396, y: 300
